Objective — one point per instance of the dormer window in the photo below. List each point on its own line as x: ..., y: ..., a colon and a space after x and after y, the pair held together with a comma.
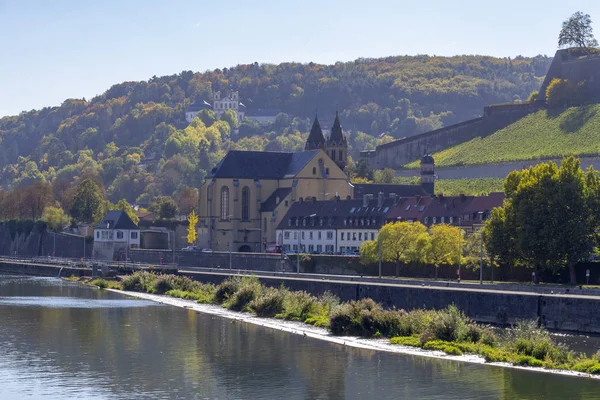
x: 304, y: 222
x: 427, y: 220
x: 321, y: 222
x: 289, y: 222
x: 434, y: 220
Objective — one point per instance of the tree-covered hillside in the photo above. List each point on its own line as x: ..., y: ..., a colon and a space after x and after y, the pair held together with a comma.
x: 134, y: 140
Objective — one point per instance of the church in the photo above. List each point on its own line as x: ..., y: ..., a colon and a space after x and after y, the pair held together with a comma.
x: 248, y: 193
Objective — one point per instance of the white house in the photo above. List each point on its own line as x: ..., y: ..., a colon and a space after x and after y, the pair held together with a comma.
x: 114, y: 235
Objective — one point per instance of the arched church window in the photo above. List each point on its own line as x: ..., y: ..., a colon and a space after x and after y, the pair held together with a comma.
x: 245, y: 204
x: 224, y: 202
x: 341, y: 155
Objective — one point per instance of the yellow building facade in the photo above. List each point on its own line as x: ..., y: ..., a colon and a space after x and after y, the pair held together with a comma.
x: 247, y: 194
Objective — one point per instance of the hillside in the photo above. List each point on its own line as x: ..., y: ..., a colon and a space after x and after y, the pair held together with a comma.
x: 134, y: 139
x: 545, y: 134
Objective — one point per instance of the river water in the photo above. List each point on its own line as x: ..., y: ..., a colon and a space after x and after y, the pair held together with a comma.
x: 60, y: 340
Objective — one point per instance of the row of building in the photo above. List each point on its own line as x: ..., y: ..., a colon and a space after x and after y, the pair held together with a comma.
x: 341, y: 226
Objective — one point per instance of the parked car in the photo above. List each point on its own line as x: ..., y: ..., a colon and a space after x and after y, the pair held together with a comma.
x: 206, y: 250
x: 190, y: 248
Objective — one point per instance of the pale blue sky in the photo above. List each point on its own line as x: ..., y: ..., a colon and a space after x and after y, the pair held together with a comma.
x: 53, y: 50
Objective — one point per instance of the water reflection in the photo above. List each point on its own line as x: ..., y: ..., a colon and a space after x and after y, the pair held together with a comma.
x: 112, y: 351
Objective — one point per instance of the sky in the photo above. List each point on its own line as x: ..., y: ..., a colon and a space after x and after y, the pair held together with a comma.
x: 59, y: 49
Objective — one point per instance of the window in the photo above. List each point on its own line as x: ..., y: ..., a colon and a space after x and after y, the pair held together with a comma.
x: 340, y: 155
x: 311, y: 248
x: 314, y: 170
x: 442, y: 220
x: 119, y: 235
x: 332, y: 155
x: 319, y: 248
x: 310, y: 235
x: 353, y: 235
x: 342, y: 237
x: 327, y: 171
x: 97, y: 234
x: 451, y: 220
x: 295, y: 247
x: 289, y: 222
x: 359, y: 235
x: 372, y: 236
x: 434, y: 220
x: 286, y: 247
x: 295, y: 235
x: 245, y: 203
x: 286, y: 235
x: 302, y: 235
x: 134, y: 235
x: 329, y: 235
x: 319, y: 235
x: 426, y: 220
x: 329, y: 248
x: 224, y: 203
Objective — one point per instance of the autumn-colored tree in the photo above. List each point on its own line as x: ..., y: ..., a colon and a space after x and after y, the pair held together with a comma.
x: 191, y: 233
x: 401, y: 243
x: 56, y: 218
x: 187, y: 200
x: 37, y: 197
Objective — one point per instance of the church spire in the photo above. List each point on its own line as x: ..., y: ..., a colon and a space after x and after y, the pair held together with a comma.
x: 337, y: 135
x: 315, y: 140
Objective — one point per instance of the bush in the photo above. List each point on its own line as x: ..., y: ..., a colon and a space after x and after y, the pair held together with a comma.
x: 101, y: 283
x: 491, y: 354
x: 528, y: 361
x: 299, y: 306
x: 444, y: 346
x: 561, y: 93
x: 406, y: 341
x: 383, y: 323
x: 594, y: 369
x: 226, y: 288
x: 448, y: 324
x: 341, y: 320
x: 585, y: 365
x: 269, y: 303
x: 249, y: 288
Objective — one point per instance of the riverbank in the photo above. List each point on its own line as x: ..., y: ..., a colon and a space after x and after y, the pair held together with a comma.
x: 299, y: 328
x: 442, y: 334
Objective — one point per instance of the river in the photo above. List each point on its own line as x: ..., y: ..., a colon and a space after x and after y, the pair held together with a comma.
x: 60, y: 340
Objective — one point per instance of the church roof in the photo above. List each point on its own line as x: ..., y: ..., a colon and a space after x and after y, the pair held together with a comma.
x: 198, y: 106
x: 271, y: 203
x: 116, y: 219
x: 315, y: 138
x: 261, y: 164
x: 337, y: 135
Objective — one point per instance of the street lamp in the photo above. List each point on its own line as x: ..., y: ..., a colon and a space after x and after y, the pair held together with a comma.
x: 379, y: 251
x: 480, y: 250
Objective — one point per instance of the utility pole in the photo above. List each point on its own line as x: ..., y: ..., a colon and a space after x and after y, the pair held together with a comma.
x: 298, y: 255
x: 379, y: 251
x: 230, y: 263
x: 84, y: 248
x: 480, y: 258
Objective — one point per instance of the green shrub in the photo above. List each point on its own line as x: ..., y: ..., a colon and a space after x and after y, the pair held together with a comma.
x: 342, y: 321
x: 299, y: 306
x: 249, y: 288
x: 528, y: 361
x: 165, y: 283
x: 202, y: 293
x: 269, y: 303
x: 416, y: 321
x: 542, y: 349
x: 441, y: 345
x: 448, y: 324
x: 226, y: 288
x: 523, y: 346
x: 594, y: 369
x: 132, y: 282
x: 101, y: 283
x: 383, y: 323
x: 406, y: 341
x: 584, y: 365
x: 491, y: 354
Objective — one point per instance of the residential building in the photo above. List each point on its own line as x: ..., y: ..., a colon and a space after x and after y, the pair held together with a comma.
x: 332, y: 226
x: 479, y: 210
x: 114, y: 235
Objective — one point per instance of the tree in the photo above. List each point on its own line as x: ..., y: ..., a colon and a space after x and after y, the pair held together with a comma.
x: 36, y: 197
x: 549, y: 219
x: 561, y: 93
x: 577, y: 31
x: 445, y: 245
x: 230, y: 117
x: 384, y: 176
x: 124, y: 206
x: 192, y: 234
x: 533, y: 96
x: 88, y: 198
x: 164, y: 207
x: 401, y: 243
x: 187, y: 200
x: 56, y: 218
x: 363, y: 170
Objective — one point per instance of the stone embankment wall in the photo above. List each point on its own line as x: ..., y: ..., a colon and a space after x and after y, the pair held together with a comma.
x: 342, y: 265
x: 558, y: 312
x: 400, y: 152
x: 26, y: 238
x: 499, y: 170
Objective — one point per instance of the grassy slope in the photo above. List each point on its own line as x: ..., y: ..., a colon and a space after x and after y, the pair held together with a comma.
x: 545, y: 134
x: 469, y: 187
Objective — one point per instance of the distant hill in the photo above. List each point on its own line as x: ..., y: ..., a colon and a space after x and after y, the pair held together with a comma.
x: 134, y: 139
x: 542, y: 135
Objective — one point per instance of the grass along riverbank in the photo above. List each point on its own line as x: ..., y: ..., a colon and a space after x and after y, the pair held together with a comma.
x: 448, y: 330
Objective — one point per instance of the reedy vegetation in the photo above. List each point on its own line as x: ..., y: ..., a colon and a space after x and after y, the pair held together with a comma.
x: 447, y: 330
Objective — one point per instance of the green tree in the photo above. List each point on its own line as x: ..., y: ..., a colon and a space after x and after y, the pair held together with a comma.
x: 533, y: 96
x: 577, y: 31
x: 384, y: 176
x: 401, y: 243
x: 191, y: 233
x: 124, y: 206
x: 230, y: 117
x: 363, y: 170
x: 549, y: 219
x: 164, y: 207
x: 88, y: 198
x: 561, y: 93
x: 56, y: 218
x: 445, y: 245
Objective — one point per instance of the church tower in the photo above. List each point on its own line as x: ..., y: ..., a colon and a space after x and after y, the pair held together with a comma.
x: 428, y: 174
x: 337, y: 145
x: 315, y: 140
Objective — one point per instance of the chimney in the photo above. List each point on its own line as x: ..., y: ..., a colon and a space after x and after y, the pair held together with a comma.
x: 380, y: 198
